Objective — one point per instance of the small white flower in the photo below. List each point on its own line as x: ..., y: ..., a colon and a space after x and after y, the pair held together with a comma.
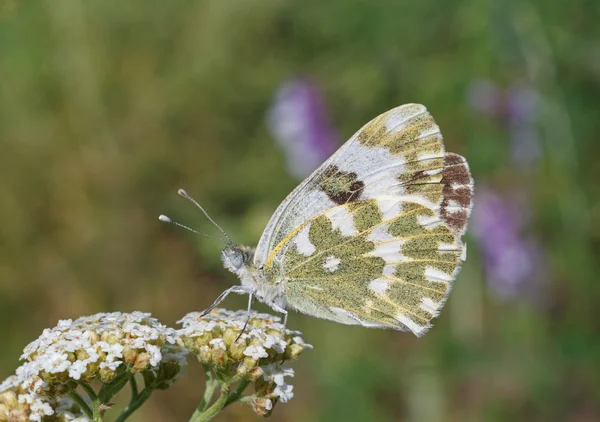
x: 218, y: 343
x: 41, y: 408
x: 56, y: 363
x: 155, y: 355
x: 77, y: 369
x: 8, y: 383
x: 256, y: 352
x: 278, y: 377
x: 300, y: 340
x: 64, y: 323
x: 137, y: 343
x: 113, y: 351
x: 111, y: 365
x: 276, y: 374
x: 284, y: 392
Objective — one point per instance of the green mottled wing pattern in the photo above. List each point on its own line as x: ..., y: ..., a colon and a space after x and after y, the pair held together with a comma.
x: 373, y: 237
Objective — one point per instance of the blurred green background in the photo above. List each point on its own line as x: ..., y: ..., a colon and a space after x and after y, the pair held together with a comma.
x: 106, y: 108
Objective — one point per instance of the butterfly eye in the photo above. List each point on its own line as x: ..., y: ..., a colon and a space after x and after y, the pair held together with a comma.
x: 237, y: 259
x: 233, y: 259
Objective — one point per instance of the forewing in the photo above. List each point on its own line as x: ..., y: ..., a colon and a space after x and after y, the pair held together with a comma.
x: 373, y: 236
x: 395, y: 154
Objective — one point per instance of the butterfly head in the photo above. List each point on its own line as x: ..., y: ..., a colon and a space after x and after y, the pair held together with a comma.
x: 235, y: 257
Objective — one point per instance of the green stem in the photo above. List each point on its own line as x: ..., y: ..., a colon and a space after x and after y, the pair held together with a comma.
x: 96, y: 402
x: 237, y: 394
x: 85, y: 408
x: 108, y: 390
x: 211, y: 386
x: 134, y: 404
x: 134, y: 387
x: 88, y: 389
x: 212, y: 411
x: 226, y: 398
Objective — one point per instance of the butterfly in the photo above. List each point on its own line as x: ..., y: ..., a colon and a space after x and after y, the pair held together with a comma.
x: 372, y: 237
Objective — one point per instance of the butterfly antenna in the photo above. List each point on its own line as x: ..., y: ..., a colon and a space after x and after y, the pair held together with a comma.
x: 166, y: 219
x: 183, y: 193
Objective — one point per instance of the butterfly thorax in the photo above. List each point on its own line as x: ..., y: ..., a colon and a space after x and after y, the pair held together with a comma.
x: 239, y: 260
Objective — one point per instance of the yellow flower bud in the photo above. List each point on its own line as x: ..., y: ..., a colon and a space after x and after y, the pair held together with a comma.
x: 129, y: 355
x: 262, y: 406
x: 106, y: 374
x: 237, y: 349
x: 9, y: 398
x: 293, y: 351
x: 141, y: 362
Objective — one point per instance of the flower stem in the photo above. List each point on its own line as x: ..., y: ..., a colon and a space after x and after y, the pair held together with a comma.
x: 134, y: 404
x: 85, y: 408
x: 211, y: 387
x: 96, y: 402
x: 237, y: 394
x: 225, y: 399
x: 212, y: 411
x: 89, y: 390
x: 108, y: 390
x: 134, y: 387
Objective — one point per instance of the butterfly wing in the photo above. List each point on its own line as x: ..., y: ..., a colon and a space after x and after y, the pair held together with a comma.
x: 372, y: 237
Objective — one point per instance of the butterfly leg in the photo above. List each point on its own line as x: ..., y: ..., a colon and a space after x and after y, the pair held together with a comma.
x: 234, y: 289
x: 250, y: 297
x: 279, y: 309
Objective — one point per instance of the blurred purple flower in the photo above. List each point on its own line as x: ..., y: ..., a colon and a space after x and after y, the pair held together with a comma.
x: 483, y: 96
x: 522, y: 104
x: 299, y: 122
x: 513, y: 264
x: 518, y: 108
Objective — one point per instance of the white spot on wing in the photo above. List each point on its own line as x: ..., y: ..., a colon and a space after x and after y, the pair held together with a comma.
x: 379, y: 286
x: 389, y: 207
x: 447, y: 247
x: 419, y: 199
x: 303, y: 243
x: 438, y: 276
x: 428, y: 305
x: 419, y: 330
x: 428, y: 222
x: 342, y: 219
x: 389, y: 270
x: 380, y: 234
x: 331, y: 263
x: 390, y: 251
x: 454, y: 207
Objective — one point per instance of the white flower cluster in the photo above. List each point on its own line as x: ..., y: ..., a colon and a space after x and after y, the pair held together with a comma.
x: 255, y: 354
x: 19, y: 404
x: 221, y: 330
x: 96, y: 347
